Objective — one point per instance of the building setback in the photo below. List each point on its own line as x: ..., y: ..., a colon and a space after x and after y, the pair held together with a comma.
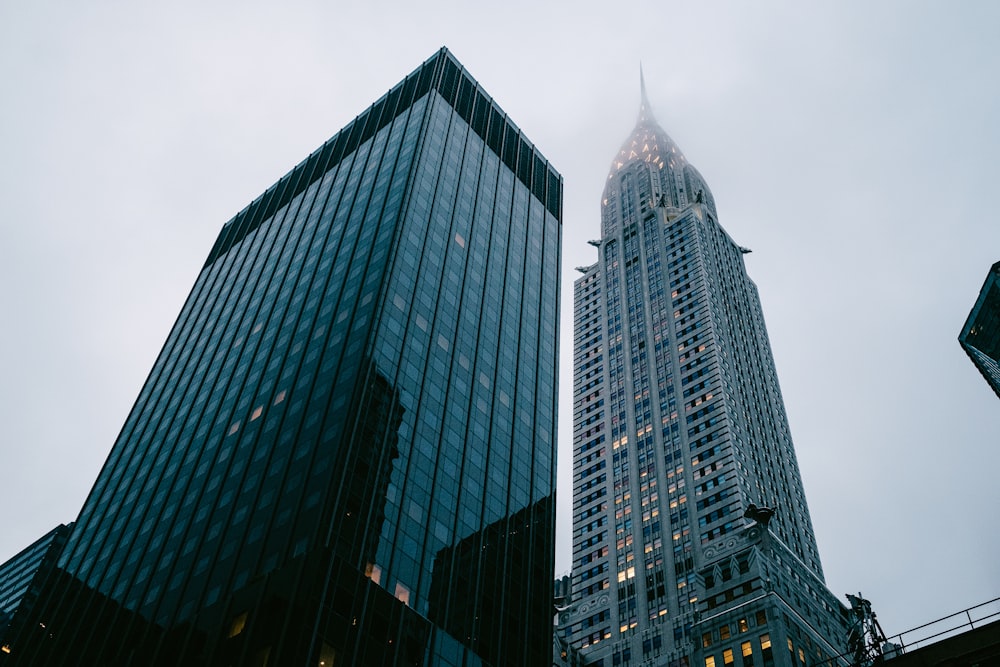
x: 980, y: 337
x: 21, y: 578
x: 345, y: 452
x: 681, y: 445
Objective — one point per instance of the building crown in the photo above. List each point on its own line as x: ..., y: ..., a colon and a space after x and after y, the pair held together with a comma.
x: 648, y: 141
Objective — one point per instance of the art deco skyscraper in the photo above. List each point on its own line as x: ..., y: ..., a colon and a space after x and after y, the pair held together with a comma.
x: 344, y: 453
x: 679, y: 429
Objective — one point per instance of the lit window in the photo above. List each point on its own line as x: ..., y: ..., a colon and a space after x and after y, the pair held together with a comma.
x: 239, y: 622
x: 765, y: 641
x: 280, y: 397
x: 747, y: 648
x: 727, y: 656
x: 706, y: 639
x: 257, y: 412
x: 744, y: 626
x: 403, y: 594
x: 710, y: 661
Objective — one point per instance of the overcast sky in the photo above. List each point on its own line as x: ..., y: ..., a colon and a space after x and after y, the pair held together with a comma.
x: 854, y: 146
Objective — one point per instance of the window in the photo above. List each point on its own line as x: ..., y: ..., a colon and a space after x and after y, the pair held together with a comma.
x: 744, y: 626
x: 747, y: 649
x: 727, y: 656
x: 403, y: 594
x: 706, y: 639
x: 239, y: 622
x: 765, y: 650
x: 710, y: 661
x: 724, y: 632
x: 327, y: 656
x: 761, y: 617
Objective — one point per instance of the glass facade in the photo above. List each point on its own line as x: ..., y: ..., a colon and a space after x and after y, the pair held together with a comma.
x: 345, y: 452
x: 21, y: 578
x: 980, y: 337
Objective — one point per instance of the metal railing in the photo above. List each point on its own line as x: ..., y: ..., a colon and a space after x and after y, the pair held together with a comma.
x: 928, y: 633
x: 947, y: 626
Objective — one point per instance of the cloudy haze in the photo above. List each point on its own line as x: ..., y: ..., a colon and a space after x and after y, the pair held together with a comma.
x: 854, y: 146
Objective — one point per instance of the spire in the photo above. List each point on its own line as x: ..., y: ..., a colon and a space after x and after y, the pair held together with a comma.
x: 645, y: 110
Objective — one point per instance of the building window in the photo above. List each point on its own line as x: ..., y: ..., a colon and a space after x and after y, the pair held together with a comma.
x: 747, y: 649
x: 727, y: 656
x: 327, y: 656
x: 236, y: 627
x: 402, y: 593
x: 706, y: 639
x: 744, y: 626
x: 724, y: 632
x: 710, y: 661
x: 765, y: 649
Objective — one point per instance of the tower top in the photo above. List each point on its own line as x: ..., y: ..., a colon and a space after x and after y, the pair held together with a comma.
x: 649, y: 153
x: 645, y: 109
x: 647, y: 142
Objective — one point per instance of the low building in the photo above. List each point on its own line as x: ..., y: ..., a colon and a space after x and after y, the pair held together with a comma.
x: 967, y: 637
x: 757, y: 598
x: 22, y: 575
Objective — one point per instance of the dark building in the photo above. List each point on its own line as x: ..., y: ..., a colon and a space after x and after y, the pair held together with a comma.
x: 976, y: 647
x: 345, y: 452
x: 980, y: 336
x: 21, y: 578
x: 968, y: 638
x: 681, y: 442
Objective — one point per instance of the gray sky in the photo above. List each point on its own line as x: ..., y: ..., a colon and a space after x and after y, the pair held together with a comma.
x: 854, y: 146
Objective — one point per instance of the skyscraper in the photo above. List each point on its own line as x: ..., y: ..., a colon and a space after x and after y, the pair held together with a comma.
x: 980, y: 337
x: 680, y: 437
x: 344, y: 453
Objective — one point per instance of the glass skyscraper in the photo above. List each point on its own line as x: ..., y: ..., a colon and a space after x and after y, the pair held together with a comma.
x: 689, y: 517
x: 980, y: 336
x: 345, y: 452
